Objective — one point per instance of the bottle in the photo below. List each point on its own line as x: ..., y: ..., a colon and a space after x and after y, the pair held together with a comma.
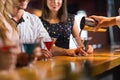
x: 88, y: 24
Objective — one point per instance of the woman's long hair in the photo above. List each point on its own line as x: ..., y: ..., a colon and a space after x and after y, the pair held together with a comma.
x: 9, y: 4
x: 62, y: 13
x: 3, y: 29
x: 4, y: 12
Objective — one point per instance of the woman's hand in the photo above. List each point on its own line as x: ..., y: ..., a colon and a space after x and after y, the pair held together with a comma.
x: 39, y: 54
x: 76, y: 52
x: 83, y: 52
x: 70, y: 52
x: 45, y: 54
x: 90, y: 49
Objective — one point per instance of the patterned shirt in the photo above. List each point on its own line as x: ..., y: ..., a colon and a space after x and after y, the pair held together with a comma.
x: 60, y: 31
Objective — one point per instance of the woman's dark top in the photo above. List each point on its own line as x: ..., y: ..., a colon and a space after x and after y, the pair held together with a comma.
x: 60, y: 31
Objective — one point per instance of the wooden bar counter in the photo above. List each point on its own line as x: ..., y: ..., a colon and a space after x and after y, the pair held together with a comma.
x: 67, y: 68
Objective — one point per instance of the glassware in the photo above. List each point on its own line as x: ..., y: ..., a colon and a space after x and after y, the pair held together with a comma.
x: 28, y: 48
x: 8, y: 57
x: 48, y: 43
x: 85, y: 42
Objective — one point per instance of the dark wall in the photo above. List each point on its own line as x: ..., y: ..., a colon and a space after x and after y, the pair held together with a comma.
x: 35, y: 4
x: 97, y: 7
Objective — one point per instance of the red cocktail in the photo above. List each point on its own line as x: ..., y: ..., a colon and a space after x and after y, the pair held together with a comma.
x: 49, y: 43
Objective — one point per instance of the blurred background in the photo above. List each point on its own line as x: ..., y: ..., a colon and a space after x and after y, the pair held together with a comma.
x: 91, y: 7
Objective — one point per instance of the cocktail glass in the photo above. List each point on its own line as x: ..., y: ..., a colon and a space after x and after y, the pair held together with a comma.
x: 28, y: 48
x: 48, y: 43
x: 85, y: 42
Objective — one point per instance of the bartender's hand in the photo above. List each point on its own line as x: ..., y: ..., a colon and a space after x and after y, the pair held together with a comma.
x: 102, y: 21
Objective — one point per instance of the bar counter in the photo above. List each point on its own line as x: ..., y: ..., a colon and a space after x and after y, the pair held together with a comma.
x: 67, y: 68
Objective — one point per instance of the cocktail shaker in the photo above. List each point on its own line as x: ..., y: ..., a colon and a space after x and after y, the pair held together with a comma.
x: 89, y: 24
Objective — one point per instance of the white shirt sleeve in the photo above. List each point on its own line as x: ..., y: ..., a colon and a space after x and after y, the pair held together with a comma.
x: 118, y: 21
x: 42, y: 32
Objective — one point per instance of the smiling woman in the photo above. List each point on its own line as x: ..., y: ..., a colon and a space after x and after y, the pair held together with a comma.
x: 60, y: 24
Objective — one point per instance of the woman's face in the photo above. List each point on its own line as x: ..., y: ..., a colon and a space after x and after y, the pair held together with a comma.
x: 54, y: 5
x: 3, y: 1
x: 23, y: 4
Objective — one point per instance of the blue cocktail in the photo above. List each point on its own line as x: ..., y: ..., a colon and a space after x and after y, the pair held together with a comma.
x: 29, y: 47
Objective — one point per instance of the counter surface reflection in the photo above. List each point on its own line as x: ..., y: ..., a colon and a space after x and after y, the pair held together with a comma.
x: 66, y: 68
